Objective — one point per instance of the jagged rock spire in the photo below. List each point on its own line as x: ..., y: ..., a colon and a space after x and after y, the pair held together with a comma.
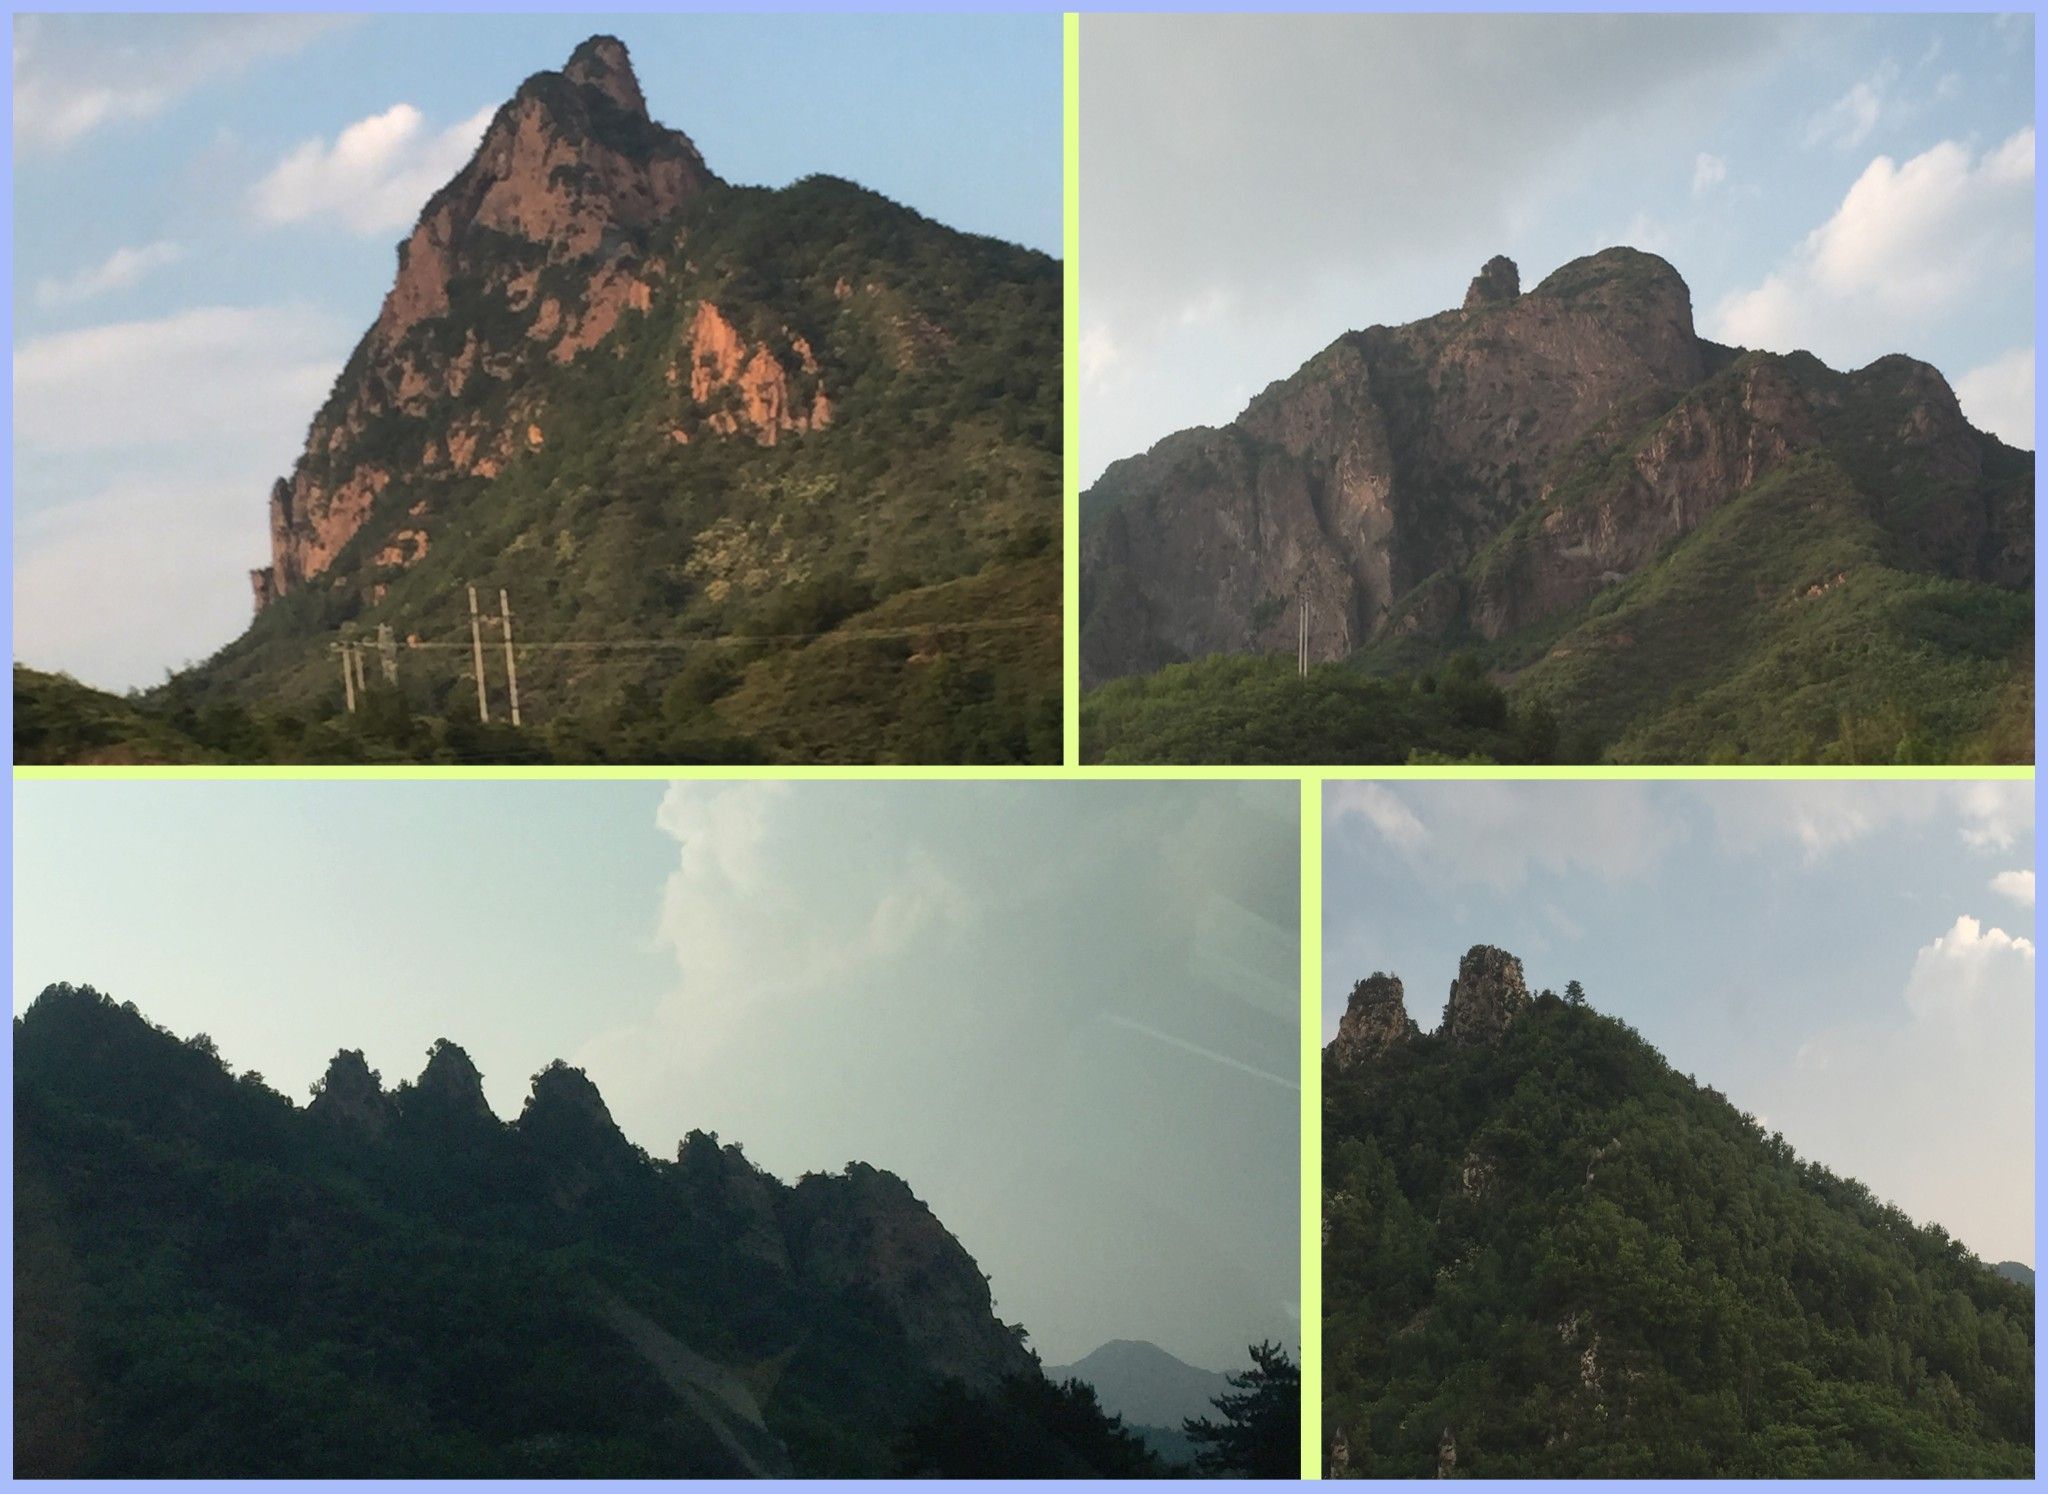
x: 602, y: 63
x: 352, y: 1093
x: 1488, y: 994
x: 1497, y: 283
x: 565, y: 1097
x: 1375, y: 1020
x: 450, y: 1081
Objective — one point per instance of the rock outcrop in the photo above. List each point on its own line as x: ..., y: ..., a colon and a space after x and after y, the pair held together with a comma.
x: 1488, y: 469
x: 449, y: 1087
x: 1375, y: 1020
x: 1488, y: 994
x: 568, y: 179
x: 864, y: 1228
x: 351, y: 1094
x: 1497, y: 283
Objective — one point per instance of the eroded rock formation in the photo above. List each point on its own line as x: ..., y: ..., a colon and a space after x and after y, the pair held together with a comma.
x: 1488, y: 994
x: 1375, y: 1019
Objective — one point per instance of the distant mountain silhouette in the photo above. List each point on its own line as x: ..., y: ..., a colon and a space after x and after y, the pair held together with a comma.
x: 1144, y: 1384
x: 2014, y: 1271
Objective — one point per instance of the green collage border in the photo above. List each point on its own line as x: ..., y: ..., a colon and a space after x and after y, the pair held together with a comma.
x: 1311, y: 780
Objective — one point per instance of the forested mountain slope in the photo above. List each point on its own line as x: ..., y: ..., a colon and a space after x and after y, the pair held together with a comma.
x: 211, y: 1282
x: 1548, y: 1254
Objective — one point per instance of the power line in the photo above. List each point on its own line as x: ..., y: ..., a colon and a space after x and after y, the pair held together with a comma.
x: 351, y: 650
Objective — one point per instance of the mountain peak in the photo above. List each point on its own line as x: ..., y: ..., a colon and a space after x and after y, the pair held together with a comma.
x: 1374, y: 1021
x: 603, y: 63
x: 451, y: 1081
x: 565, y: 1096
x: 1488, y: 994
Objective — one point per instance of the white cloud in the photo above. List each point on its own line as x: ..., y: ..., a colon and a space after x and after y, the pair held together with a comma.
x: 1933, y: 1091
x: 196, y: 377
x: 1499, y: 833
x: 1999, y: 397
x: 1848, y: 121
x: 1822, y: 818
x: 1909, y: 244
x: 375, y: 176
x: 118, y: 271
x: 1968, y: 973
x: 76, y: 74
x: 1996, y: 815
x: 182, y: 421
x: 2017, y: 885
x: 1380, y: 807
x: 1708, y: 172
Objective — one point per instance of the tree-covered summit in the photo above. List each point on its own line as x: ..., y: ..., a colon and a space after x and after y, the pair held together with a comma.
x: 1548, y: 1253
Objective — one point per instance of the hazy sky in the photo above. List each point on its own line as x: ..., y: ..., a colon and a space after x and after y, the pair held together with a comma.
x: 206, y: 209
x: 1852, y: 963
x: 1253, y: 186
x: 1066, y: 1014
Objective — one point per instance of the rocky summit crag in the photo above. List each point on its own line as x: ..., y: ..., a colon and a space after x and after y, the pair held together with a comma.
x: 655, y: 406
x: 213, y: 1282
x: 1683, y: 547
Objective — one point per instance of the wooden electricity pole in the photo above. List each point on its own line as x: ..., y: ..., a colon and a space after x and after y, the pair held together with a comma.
x: 511, y: 664
x: 476, y: 650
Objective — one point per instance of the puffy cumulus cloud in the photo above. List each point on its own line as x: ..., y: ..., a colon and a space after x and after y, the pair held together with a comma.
x: 1498, y: 833
x: 1999, y: 397
x: 2017, y: 885
x: 1909, y: 243
x: 1933, y: 1092
x: 375, y: 175
x: 143, y: 450
x: 1822, y: 818
x: 124, y: 268
x: 76, y: 74
x: 1969, y: 974
x: 974, y: 985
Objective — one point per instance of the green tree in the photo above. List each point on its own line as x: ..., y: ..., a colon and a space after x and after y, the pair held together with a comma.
x: 1259, y: 1435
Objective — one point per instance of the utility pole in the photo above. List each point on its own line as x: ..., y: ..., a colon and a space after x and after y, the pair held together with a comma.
x: 511, y: 665
x: 387, y: 653
x: 362, y: 689
x: 1301, y: 641
x: 476, y: 650
x: 348, y: 679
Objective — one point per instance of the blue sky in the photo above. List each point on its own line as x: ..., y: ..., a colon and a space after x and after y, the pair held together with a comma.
x: 181, y: 308
x: 1252, y: 186
x: 1067, y: 1014
x: 1853, y: 963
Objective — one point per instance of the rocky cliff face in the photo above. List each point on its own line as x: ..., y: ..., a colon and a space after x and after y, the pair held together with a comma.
x: 1375, y: 1019
x: 1488, y: 994
x: 1486, y: 469
x: 541, y: 245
